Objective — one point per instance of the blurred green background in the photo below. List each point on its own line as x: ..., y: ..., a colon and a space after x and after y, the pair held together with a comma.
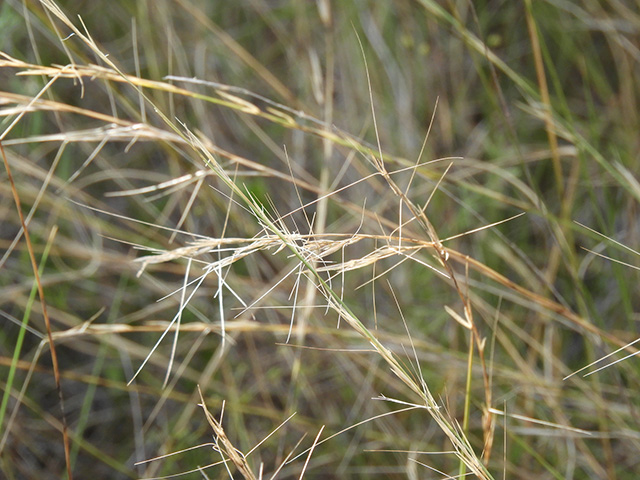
x: 533, y: 107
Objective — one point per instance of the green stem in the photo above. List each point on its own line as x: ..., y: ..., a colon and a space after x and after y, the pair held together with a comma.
x: 467, y: 402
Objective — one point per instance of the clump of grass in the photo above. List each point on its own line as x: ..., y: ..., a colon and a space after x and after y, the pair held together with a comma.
x: 319, y: 239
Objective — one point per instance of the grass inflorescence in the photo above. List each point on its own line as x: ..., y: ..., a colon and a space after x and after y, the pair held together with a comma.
x: 319, y: 239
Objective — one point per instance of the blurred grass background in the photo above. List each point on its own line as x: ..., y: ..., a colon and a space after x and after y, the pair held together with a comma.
x: 535, y: 109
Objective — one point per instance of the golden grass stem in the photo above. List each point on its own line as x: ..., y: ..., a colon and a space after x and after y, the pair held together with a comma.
x: 43, y: 304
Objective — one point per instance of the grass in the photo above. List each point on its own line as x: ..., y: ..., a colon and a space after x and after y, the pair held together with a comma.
x: 319, y: 240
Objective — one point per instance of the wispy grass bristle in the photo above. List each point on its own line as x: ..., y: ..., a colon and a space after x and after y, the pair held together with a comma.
x: 319, y: 239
